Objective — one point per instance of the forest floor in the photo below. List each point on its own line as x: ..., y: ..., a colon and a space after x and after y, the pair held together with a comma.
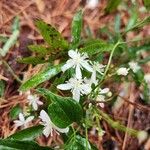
x: 133, y: 113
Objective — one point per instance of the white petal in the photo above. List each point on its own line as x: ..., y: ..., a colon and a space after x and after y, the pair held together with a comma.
x: 62, y: 130
x: 66, y: 86
x: 30, y: 118
x: 44, y: 116
x: 72, y: 53
x: 21, y: 117
x: 78, y: 72
x: 93, y: 78
x: 86, y: 88
x: 104, y: 91
x: 68, y: 65
x: 39, y: 102
x: 35, y: 106
x: 47, y: 131
x: 87, y: 66
x: 102, y: 105
x: 76, y: 94
x: 18, y: 123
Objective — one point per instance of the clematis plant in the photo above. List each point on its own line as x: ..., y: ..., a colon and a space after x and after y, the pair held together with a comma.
x: 75, y: 84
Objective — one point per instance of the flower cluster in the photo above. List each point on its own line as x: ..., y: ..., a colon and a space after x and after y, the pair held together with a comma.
x: 24, y: 122
x: 77, y: 84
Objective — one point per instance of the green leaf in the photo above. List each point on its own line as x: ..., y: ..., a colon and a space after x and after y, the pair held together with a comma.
x: 16, y: 25
x: 2, y: 88
x: 64, y: 110
x: 96, y: 46
x: 40, y: 77
x: 144, y: 60
x: 117, y: 23
x: 8, y: 144
x: 133, y: 18
x: 139, y: 24
x: 10, y: 42
x: 38, y: 49
x: 27, y: 134
x: 15, y: 112
x: 51, y: 35
x: 144, y: 47
x: 76, y: 29
x: 32, y: 60
x: 112, y: 5
x: 13, y: 38
x: 147, y: 4
x: 78, y: 143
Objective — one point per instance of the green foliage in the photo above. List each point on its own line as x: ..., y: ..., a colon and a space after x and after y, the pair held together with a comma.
x: 38, y: 49
x: 117, y: 23
x: 94, y: 46
x: 27, y: 134
x: 40, y: 77
x: 147, y: 4
x: 13, y: 38
x: 76, y: 29
x: 8, y: 144
x: 139, y: 24
x: 69, y: 109
x: 78, y: 143
x: 15, y: 112
x: 2, y: 88
x: 133, y: 18
x: 32, y: 60
x: 112, y: 5
x: 51, y: 35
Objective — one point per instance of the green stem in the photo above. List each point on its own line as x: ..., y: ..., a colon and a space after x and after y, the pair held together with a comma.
x: 109, y: 61
x: 116, y: 124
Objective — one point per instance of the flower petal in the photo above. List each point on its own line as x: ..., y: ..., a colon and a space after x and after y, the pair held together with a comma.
x: 18, y: 123
x: 66, y: 86
x: 44, y: 117
x: 30, y: 118
x: 72, y: 53
x: 78, y: 72
x: 62, y: 130
x: 86, y: 89
x: 87, y: 66
x: 68, y: 65
x: 76, y: 94
x: 35, y: 105
x: 93, y: 78
x: 39, y: 102
x: 104, y: 91
x: 21, y: 117
x: 47, y: 130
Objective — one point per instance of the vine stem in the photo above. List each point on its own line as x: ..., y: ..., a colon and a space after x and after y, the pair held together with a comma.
x: 109, y: 61
x: 116, y: 124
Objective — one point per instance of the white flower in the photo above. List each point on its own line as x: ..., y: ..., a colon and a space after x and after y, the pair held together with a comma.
x: 22, y: 121
x: 122, y: 71
x: 77, y: 61
x: 49, y: 126
x: 96, y: 68
x: 77, y: 86
x: 102, y: 96
x: 92, y: 3
x: 34, y: 101
x: 147, y: 78
x: 134, y: 66
x: 104, y: 91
